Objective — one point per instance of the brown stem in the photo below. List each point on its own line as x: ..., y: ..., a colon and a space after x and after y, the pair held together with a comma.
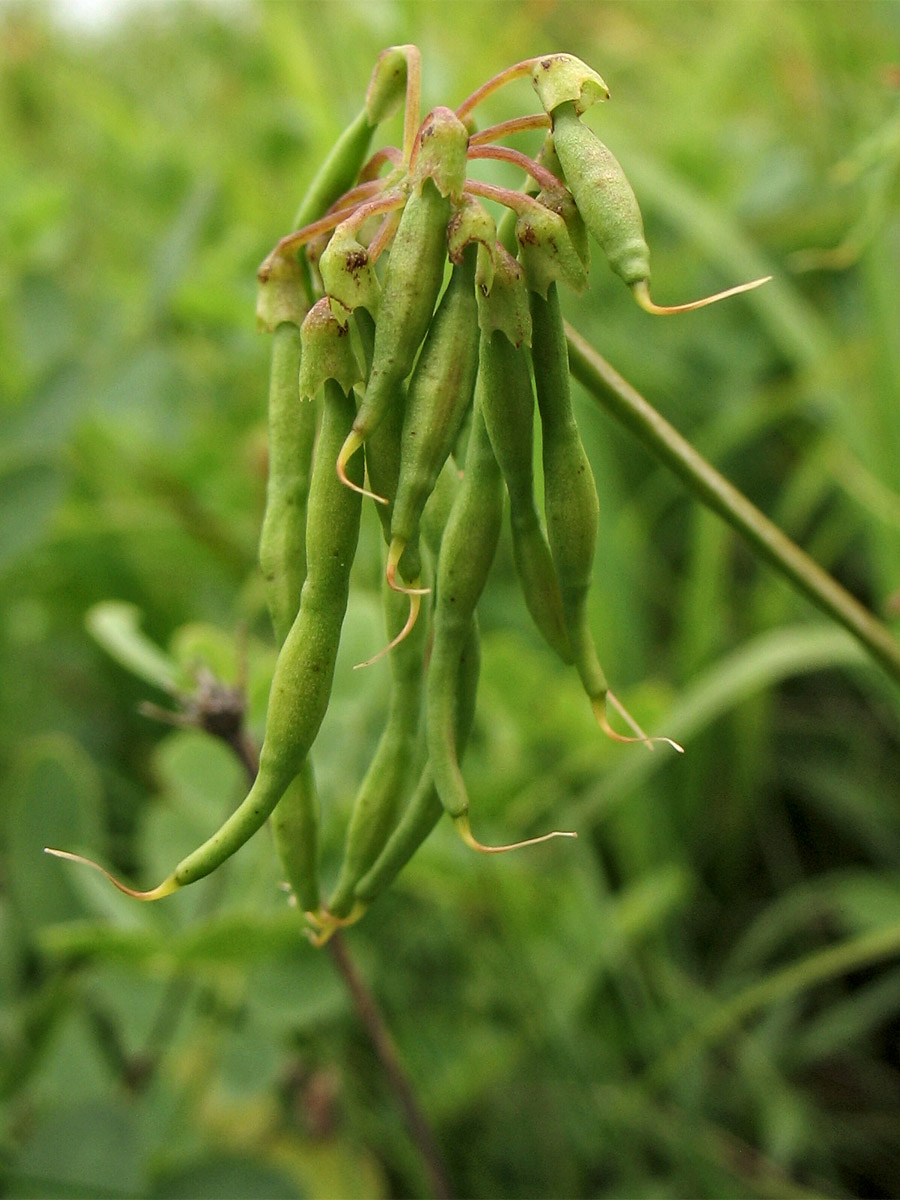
x: 373, y: 1022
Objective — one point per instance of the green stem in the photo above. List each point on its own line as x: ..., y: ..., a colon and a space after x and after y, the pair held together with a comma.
x: 630, y: 408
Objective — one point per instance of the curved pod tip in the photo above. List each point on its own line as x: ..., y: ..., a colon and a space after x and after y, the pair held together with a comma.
x: 464, y: 830
x: 166, y: 888
x: 599, y: 707
x: 641, y: 292
x: 415, y: 601
x: 349, y: 448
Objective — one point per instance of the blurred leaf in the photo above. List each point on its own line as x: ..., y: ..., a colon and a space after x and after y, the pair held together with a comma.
x: 115, y: 625
x: 29, y: 494
x: 53, y: 798
x: 236, y: 1176
x: 89, y: 1149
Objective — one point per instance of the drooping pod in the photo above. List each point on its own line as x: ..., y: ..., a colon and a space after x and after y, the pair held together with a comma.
x: 301, y: 686
x: 292, y: 426
x: 507, y: 404
x: 439, y: 393
x: 415, y: 271
x: 467, y: 552
x: 384, y: 785
x: 571, y: 504
x: 609, y: 207
x: 425, y: 808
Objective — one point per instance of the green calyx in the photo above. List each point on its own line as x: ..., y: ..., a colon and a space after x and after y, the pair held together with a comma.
x: 547, y: 252
x: 280, y: 294
x: 504, y: 305
x: 348, y: 275
x: 563, y: 77
x: 327, y: 352
x: 441, y: 154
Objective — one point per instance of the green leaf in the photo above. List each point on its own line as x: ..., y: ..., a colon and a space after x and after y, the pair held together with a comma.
x: 114, y: 624
x: 53, y: 799
x: 237, y: 1176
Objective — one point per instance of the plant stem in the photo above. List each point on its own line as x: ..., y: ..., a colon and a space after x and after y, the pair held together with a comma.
x: 630, y: 408
x: 374, y: 1024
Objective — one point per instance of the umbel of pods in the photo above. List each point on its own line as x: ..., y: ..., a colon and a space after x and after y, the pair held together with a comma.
x: 444, y: 415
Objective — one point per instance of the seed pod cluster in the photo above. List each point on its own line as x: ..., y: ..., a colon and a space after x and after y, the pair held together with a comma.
x: 401, y: 317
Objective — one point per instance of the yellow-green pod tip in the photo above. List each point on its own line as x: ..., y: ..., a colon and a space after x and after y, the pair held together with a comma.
x: 464, y: 829
x: 166, y: 888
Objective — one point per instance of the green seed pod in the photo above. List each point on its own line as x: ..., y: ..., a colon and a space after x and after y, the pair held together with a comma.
x: 292, y: 428
x: 570, y: 494
x: 425, y: 808
x: 385, y: 783
x: 383, y: 444
x: 603, y: 195
x: 507, y: 404
x: 438, y: 505
x: 339, y: 171
x: 472, y: 223
x: 439, y: 394
x: 561, y: 78
x: 295, y: 832
x: 412, y: 282
x: 301, y: 686
x: 467, y: 552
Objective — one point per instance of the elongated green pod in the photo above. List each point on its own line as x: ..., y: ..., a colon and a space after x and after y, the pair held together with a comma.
x: 389, y: 81
x: 438, y: 396
x: 570, y: 495
x: 292, y: 428
x: 507, y: 402
x: 384, y: 786
x: 467, y: 552
x: 425, y: 809
x: 301, y: 686
x: 414, y: 274
x: 339, y: 170
x: 295, y: 832
x: 438, y: 505
x: 603, y: 195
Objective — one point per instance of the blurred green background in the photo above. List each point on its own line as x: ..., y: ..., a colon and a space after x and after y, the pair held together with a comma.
x: 698, y: 998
